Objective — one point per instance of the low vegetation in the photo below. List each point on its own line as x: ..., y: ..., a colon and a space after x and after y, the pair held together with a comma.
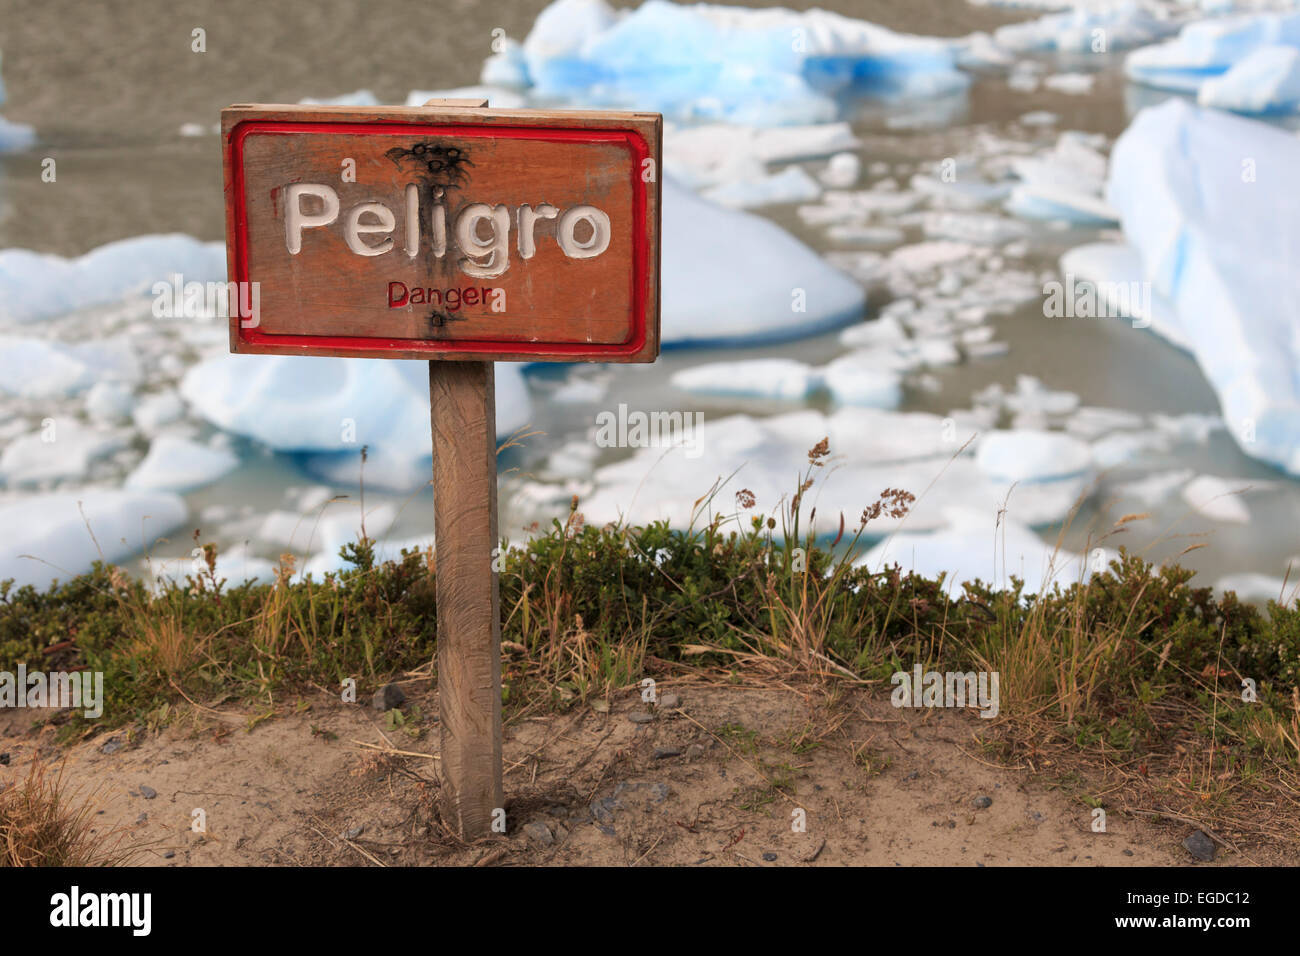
x: 1129, y: 667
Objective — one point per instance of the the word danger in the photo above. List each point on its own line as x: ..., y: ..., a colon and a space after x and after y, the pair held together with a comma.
x: 400, y: 295
x: 479, y: 230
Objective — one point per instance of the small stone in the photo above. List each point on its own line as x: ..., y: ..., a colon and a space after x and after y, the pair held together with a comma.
x: 169, y: 854
x: 670, y: 701
x: 561, y: 831
x: 1127, y: 852
x: 913, y: 775
x: 663, y: 753
x: 4, y: 760
x: 694, y: 752
x: 603, y: 809
x: 769, y: 857
x: 640, y: 717
x: 111, y: 746
x: 142, y: 818
x: 810, y: 855
x: 1200, y: 846
x: 982, y: 802
x: 148, y: 792
x: 388, y: 697
x: 353, y: 833
x: 539, y: 832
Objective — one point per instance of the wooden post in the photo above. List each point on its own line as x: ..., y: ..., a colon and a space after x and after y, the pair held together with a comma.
x: 462, y: 405
x: 462, y: 402
x: 354, y: 267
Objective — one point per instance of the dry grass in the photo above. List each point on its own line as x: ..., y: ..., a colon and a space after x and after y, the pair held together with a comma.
x: 42, y: 823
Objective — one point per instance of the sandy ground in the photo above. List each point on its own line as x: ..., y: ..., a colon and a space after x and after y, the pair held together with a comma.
x: 693, y: 786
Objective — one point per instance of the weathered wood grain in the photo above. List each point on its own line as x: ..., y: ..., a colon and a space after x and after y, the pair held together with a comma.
x: 463, y: 411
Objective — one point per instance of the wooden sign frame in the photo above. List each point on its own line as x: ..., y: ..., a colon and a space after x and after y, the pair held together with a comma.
x: 570, y: 135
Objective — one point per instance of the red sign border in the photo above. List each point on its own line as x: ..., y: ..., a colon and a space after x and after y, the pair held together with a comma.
x: 262, y: 342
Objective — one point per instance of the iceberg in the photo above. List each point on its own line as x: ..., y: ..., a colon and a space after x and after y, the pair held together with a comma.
x: 59, y: 450
x: 1267, y: 80
x: 1207, y: 49
x: 60, y: 543
x: 178, y: 464
x: 767, y: 67
x: 307, y: 404
x: 1203, y: 200
x: 36, y: 286
x: 732, y: 277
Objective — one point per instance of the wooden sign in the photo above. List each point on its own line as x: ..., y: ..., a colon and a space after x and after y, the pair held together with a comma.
x: 448, y: 231
x: 445, y: 232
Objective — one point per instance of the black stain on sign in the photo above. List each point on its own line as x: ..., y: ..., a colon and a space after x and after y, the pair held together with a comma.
x: 433, y: 164
x: 438, y: 169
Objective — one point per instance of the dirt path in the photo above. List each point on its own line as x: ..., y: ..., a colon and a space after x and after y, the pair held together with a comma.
x: 875, y: 786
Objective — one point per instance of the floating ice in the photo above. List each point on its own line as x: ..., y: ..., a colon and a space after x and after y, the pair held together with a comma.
x: 295, y: 403
x: 872, y: 450
x: 842, y: 171
x: 761, y: 67
x: 1206, y: 49
x: 716, y: 153
x: 59, y: 450
x: 791, y: 184
x: 1114, y: 270
x: 977, y: 546
x: 53, y: 530
x: 761, y: 378
x: 1076, y: 84
x: 1032, y: 455
x: 1064, y: 182
x: 177, y: 464
x: 1265, y: 80
x: 731, y: 277
x: 1199, y: 197
x: 36, y: 286
x: 1217, y: 499
x: 40, y: 369
x: 1086, y: 28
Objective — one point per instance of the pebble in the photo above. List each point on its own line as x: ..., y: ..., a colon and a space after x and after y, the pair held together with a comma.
x: 4, y: 760
x: 1127, y: 852
x: 1200, y: 846
x: 694, y: 752
x: 353, y: 833
x: 640, y: 717
x: 142, y: 818
x: 670, y: 701
x: 539, y: 832
x: 111, y: 746
x: 982, y: 803
x: 169, y: 854
x: 388, y: 697
x: 663, y: 753
x: 769, y: 857
x: 148, y: 792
